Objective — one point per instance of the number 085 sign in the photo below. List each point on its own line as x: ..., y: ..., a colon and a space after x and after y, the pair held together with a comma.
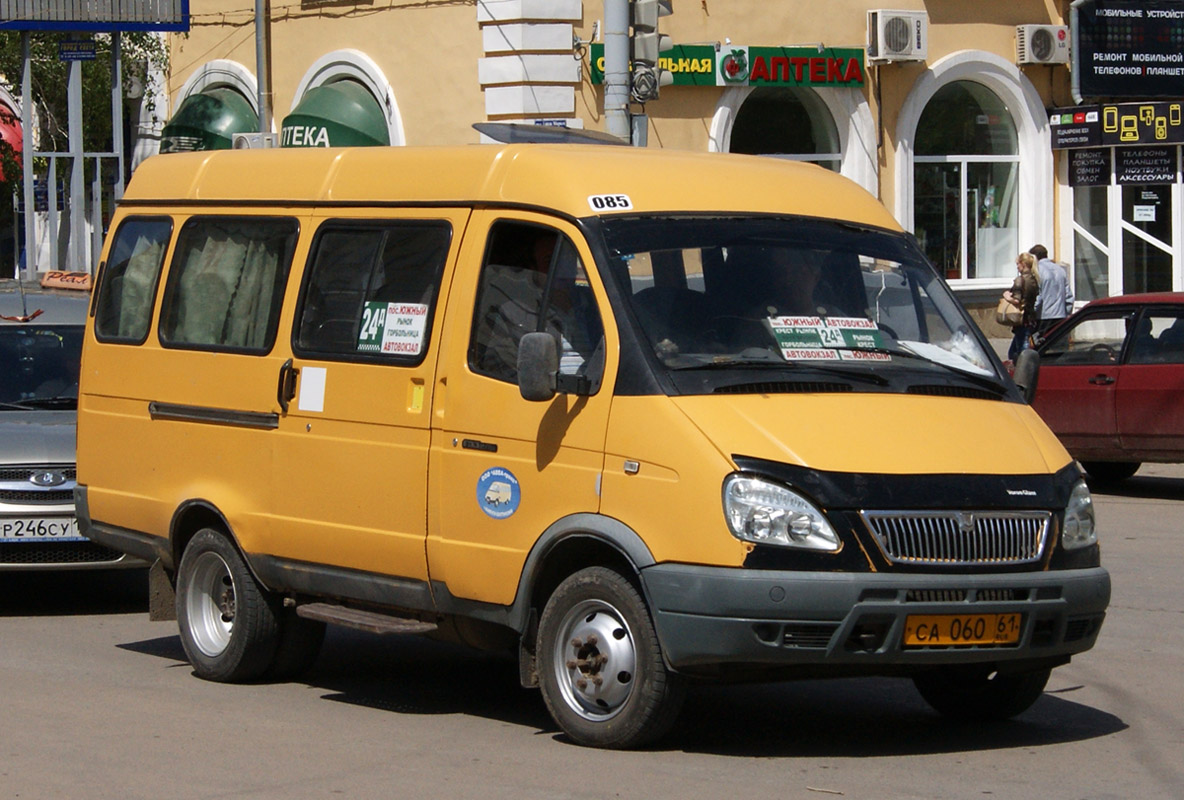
x: 610, y: 202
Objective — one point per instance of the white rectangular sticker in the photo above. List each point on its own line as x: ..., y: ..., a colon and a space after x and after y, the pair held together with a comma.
x: 610, y: 202
x: 1144, y: 214
x: 312, y: 389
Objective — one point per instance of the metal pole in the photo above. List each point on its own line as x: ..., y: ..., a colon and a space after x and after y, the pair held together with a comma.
x: 76, y: 251
x: 96, y: 216
x: 1074, y: 44
x: 616, y: 68
x: 117, y: 113
x: 27, y: 157
x: 51, y: 191
x: 261, y: 65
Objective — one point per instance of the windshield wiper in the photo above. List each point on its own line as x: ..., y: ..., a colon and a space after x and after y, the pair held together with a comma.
x: 44, y: 403
x: 979, y: 380
x: 776, y: 362
x: 15, y: 406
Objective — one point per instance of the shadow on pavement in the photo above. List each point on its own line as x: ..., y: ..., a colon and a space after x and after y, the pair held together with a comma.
x: 865, y: 717
x: 846, y: 717
x: 1152, y: 487
x: 73, y: 592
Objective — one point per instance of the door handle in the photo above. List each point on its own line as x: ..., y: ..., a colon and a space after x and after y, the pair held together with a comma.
x: 1101, y: 380
x: 286, y: 389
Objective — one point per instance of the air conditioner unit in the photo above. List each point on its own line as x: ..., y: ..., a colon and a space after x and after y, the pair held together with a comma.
x: 897, y: 35
x: 252, y: 141
x: 1041, y: 44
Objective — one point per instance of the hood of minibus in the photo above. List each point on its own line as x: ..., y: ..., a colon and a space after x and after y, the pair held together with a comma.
x: 879, y: 433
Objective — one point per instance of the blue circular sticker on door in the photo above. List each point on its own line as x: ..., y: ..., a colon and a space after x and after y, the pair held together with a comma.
x: 498, y: 493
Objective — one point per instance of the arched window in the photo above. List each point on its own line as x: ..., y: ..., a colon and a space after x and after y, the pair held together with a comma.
x: 789, y: 123
x: 343, y: 98
x: 966, y: 172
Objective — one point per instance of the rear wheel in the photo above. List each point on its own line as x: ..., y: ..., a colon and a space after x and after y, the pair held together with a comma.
x: 600, y: 666
x: 228, y: 622
x: 1108, y: 471
x: 978, y: 692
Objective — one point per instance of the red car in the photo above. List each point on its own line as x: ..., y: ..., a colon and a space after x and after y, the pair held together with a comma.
x: 1111, y: 383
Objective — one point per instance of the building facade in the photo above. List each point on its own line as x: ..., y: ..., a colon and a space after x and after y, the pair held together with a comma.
x: 942, y: 109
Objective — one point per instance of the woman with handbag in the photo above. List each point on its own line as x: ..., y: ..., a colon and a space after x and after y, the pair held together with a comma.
x: 1018, y: 307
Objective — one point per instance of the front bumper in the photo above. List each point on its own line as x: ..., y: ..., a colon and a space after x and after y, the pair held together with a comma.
x: 717, y: 617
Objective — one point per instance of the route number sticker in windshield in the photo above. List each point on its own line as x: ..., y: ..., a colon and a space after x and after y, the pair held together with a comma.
x: 829, y: 339
x: 610, y: 202
x: 394, y: 328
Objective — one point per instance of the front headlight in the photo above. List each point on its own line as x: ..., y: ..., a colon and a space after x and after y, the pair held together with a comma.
x: 1079, y: 528
x: 762, y: 512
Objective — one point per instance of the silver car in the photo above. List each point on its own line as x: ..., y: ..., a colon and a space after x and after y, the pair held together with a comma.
x: 40, y: 346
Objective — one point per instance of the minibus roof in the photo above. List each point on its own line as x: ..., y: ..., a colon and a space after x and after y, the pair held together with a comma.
x: 562, y: 177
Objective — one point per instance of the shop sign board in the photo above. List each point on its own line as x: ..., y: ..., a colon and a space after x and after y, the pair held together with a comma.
x: 76, y: 50
x: 1090, y: 166
x: 1151, y: 123
x: 1075, y: 127
x: 1145, y: 165
x: 734, y: 65
x: 1125, y: 48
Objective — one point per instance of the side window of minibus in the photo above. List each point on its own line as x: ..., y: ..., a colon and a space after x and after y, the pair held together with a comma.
x: 226, y: 283
x: 532, y: 279
x: 371, y: 289
x: 127, y: 287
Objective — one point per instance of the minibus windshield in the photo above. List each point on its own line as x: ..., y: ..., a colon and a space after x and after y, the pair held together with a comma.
x: 827, y: 299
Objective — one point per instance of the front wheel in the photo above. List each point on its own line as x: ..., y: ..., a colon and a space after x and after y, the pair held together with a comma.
x: 600, y: 665
x: 975, y: 692
x: 227, y: 621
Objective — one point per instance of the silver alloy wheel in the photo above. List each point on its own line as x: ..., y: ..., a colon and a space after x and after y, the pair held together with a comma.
x: 595, y: 660
x: 209, y: 604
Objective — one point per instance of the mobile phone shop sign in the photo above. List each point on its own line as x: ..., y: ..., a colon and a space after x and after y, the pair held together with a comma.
x: 1129, y: 49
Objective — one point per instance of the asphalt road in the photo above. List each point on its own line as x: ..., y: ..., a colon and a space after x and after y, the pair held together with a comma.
x: 98, y: 702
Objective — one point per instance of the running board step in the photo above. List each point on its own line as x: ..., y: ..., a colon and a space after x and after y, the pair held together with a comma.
x: 371, y: 621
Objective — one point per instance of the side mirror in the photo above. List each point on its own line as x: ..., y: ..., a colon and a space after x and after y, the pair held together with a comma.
x: 1027, y: 370
x: 538, y: 364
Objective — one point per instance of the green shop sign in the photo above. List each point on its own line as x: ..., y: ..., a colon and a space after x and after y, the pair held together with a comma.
x: 732, y: 65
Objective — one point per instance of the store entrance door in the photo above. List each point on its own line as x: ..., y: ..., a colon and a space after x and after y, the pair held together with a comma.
x: 1147, y: 246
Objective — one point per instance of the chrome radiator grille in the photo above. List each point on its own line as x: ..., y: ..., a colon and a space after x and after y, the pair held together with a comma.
x: 957, y: 538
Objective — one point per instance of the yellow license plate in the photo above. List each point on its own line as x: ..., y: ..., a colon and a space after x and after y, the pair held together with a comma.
x: 953, y: 630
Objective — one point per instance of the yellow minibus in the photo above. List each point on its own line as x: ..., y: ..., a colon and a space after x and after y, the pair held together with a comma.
x: 643, y: 418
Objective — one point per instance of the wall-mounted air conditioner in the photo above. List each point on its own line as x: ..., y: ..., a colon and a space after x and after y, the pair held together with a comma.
x: 897, y: 35
x: 1041, y: 44
x: 252, y: 141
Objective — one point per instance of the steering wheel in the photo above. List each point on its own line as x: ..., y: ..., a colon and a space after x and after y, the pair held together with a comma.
x: 1103, y: 348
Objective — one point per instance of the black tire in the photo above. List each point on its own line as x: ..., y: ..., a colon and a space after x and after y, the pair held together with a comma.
x: 1111, y: 471
x: 298, y: 647
x: 600, y: 665
x: 228, y: 622
x: 976, y: 692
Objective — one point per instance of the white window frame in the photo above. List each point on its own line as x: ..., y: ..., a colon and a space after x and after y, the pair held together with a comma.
x: 1034, y: 207
x: 852, y: 118
x: 360, y: 67
x: 1116, y: 226
x: 223, y: 72
x: 964, y: 162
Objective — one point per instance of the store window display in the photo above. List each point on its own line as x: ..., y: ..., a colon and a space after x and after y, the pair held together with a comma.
x: 966, y: 169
